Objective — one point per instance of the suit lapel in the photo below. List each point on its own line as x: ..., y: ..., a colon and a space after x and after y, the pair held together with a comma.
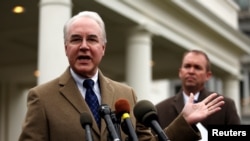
x: 70, y: 91
x: 203, y: 94
x: 179, y: 99
x: 108, y: 96
x: 72, y: 94
x: 179, y: 102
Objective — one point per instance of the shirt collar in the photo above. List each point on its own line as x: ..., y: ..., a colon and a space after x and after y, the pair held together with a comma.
x: 79, y: 80
x: 196, y: 96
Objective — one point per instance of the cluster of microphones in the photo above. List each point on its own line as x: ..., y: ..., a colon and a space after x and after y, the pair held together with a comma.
x: 144, y: 111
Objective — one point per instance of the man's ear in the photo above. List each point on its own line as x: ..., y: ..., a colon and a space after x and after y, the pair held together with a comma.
x: 65, y: 49
x: 209, y: 75
x: 104, y: 49
x: 179, y: 73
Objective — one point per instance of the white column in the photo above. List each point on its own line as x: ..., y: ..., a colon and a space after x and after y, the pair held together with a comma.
x: 231, y: 89
x: 17, y: 96
x: 3, y: 111
x: 138, y: 63
x: 245, y: 86
x: 214, y: 84
x: 52, y: 60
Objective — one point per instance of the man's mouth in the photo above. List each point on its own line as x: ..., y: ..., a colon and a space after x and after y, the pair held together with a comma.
x: 84, y: 58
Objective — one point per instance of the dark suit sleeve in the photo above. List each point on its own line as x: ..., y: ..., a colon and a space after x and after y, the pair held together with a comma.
x: 180, y: 130
x: 34, y: 126
x: 232, y: 116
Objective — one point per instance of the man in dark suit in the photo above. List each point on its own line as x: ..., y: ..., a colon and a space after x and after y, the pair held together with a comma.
x: 194, y: 72
x: 54, y: 108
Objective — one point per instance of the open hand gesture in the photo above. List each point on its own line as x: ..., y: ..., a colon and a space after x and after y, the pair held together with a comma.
x: 196, y: 112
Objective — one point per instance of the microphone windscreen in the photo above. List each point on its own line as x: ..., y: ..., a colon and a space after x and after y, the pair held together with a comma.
x: 145, y: 112
x: 104, y: 109
x: 85, y: 119
x: 122, y: 106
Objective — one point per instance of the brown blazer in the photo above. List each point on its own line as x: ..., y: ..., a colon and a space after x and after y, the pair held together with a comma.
x: 54, y: 110
x: 169, y: 109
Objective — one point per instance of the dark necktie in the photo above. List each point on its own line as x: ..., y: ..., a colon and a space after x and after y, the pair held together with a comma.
x: 92, y: 100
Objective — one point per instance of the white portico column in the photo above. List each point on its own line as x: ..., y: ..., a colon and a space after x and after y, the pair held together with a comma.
x: 51, y: 55
x: 138, y: 63
x: 231, y: 89
x: 245, y: 86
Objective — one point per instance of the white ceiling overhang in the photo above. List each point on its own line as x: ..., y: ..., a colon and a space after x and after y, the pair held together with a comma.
x: 189, y: 25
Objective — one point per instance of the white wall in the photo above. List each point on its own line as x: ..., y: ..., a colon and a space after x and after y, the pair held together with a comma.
x: 226, y: 10
x: 12, y: 108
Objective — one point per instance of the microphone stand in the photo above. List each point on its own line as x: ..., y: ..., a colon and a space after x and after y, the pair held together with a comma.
x: 116, y: 123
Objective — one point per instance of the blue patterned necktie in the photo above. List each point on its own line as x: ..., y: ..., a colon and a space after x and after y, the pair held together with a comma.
x: 92, y: 100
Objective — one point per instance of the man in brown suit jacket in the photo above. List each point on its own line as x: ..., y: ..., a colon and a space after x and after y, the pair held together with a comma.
x: 173, y: 106
x: 54, y: 108
x: 194, y: 72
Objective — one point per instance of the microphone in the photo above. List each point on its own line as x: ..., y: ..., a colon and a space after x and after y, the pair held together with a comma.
x: 105, y: 112
x: 146, y: 113
x: 116, y: 123
x: 86, y: 122
x: 122, y: 111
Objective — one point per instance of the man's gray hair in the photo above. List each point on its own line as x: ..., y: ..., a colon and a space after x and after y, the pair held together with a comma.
x: 93, y: 15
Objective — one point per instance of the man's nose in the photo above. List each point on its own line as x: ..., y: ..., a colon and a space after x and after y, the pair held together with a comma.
x: 191, y: 69
x: 84, y: 44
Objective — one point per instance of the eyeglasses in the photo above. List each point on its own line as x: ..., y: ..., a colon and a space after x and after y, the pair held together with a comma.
x: 90, y: 40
